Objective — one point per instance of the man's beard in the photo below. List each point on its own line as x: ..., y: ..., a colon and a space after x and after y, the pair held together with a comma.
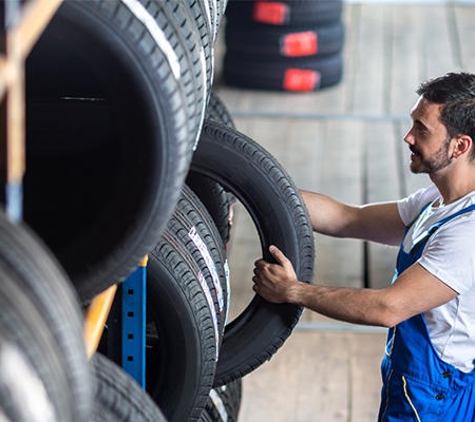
x: 430, y: 165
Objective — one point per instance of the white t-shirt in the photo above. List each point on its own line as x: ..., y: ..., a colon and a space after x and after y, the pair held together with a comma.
x: 449, y: 254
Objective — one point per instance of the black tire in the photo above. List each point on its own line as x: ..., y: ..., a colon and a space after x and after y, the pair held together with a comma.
x: 248, y: 171
x: 224, y: 402
x: 205, y: 416
x: 221, y: 6
x: 100, y: 205
x: 21, y: 385
x: 209, y: 19
x: 299, y: 74
x: 285, y: 12
x: 200, y: 12
x: 118, y: 397
x: 185, y: 40
x: 22, y: 323
x: 217, y: 201
x: 304, y: 41
x: 217, y: 111
x: 192, y: 225
x: 217, y: 10
x: 40, y: 278
x: 182, y: 332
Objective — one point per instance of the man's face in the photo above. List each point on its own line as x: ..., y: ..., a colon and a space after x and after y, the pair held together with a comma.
x: 428, y: 139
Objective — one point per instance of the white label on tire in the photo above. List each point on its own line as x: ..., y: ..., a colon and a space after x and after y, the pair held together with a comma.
x: 209, y: 299
x: 198, y: 241
x: 228, y: 289
x: 219, y: 405
x: 141, y: 13
x: 208, y: 16
x: 205, y: 95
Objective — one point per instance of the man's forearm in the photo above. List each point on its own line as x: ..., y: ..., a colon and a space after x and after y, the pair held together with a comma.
x: 327, y: 215
x: 358, y: 306
x: 378, y: 222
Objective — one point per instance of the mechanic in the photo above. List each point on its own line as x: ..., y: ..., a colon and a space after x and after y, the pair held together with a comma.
x: 429, y: 308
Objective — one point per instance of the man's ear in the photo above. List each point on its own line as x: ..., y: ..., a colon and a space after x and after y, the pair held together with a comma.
x: 462, y: 145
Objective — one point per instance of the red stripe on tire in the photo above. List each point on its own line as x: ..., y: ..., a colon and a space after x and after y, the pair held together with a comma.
x: 274, y: 13
x: 300, y: 80
x: 299, y: 44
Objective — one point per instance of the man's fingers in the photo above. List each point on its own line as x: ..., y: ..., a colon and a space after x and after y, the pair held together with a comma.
x: 278, y: 255
x: 260, y: 262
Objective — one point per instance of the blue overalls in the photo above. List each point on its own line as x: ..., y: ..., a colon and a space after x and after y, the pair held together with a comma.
x: 417, y: 384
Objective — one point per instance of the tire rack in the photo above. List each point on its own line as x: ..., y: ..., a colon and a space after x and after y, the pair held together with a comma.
x: 20, y: 27
x: 126, y: 322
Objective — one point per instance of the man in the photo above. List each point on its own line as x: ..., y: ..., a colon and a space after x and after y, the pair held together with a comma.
x: 428, y: 368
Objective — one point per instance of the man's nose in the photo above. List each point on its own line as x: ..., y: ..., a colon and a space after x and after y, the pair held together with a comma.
x: 408, y: 138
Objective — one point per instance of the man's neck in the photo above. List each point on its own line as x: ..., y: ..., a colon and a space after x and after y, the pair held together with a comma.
x: 454, y: 187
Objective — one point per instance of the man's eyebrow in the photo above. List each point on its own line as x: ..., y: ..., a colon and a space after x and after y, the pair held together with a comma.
x: 421, y: 124
x: 418, y: 122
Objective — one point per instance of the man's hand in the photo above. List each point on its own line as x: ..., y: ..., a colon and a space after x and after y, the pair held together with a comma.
x: 275, y: 282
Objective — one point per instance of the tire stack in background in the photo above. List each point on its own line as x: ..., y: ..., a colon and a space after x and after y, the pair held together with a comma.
x: 287, y: 45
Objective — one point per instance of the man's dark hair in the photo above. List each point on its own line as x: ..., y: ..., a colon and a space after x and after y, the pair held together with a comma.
x: 456, y: 93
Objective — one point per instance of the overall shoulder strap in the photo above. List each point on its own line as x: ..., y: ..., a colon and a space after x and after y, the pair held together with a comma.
x: 432, y: 229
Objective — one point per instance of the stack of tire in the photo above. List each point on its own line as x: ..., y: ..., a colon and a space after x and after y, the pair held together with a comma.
x: 130, y: 154
x: 44, y: 372
x: 196, y: 358
x: 285, y: 45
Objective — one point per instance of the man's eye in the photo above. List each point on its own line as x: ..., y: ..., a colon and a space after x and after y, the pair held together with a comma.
x: 421, y: 130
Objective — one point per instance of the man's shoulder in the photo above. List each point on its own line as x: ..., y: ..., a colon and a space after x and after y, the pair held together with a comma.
x: 410, y: 206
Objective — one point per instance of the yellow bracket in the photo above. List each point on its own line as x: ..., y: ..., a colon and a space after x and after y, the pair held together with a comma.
x: 96, y: 317
x: 97, y: 313
x: 144, y: 262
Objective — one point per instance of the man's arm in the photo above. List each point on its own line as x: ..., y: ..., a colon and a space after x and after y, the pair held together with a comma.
x: 415, y: 291
x: 378, y: 222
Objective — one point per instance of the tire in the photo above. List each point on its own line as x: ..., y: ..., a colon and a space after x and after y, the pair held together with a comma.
x: 200, y: 11
x: 208, y: 14
x: 118, y: 397
x: 98, y: 57
x: 39, y: 277
x: 221, y: 6
x: 182, y: 331
x: 217, y: 10
x: 186, y: 43
x: 249, y: 172
x: 205, y: 417
x: 22, y: 323
x: 193, y: 226
x: 285, y: 12
x: 217, y: 111
x: 298, y: 75
x: 217, y: 201
x: 224, y: 402
x: 303, y: 41
x: 23, y: 395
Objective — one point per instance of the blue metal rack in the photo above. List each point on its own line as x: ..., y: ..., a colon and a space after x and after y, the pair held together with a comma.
x: 134, y: 323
